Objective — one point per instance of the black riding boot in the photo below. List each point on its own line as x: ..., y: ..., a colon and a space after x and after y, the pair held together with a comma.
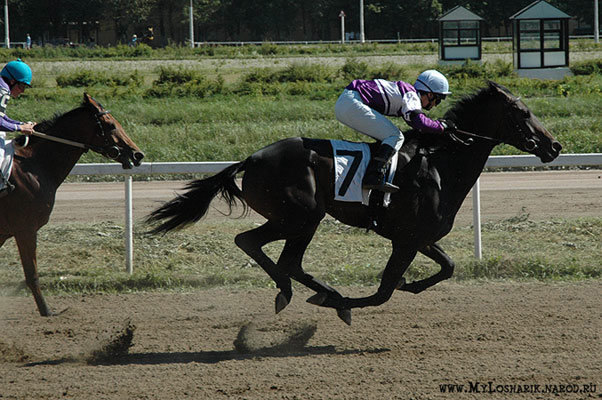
x: 377, y: 168
x: 9, y: 187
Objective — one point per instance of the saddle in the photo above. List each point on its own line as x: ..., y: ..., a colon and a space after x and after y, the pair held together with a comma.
x: 351, y: 160
x: 413, y: 167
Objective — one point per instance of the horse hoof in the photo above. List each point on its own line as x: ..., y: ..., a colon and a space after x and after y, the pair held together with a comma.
x: 318, y: 299
x: 401, y: 283
x: 345, y: 315
x: 281, y: 302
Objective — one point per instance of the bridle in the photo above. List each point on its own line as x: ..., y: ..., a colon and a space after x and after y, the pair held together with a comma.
x: 518, y: 127
x: 108, y: 150
x: 515, y: 126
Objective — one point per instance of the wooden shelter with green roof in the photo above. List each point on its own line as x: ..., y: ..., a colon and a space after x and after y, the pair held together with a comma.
x: 541, y: 41
x: 459, y: 36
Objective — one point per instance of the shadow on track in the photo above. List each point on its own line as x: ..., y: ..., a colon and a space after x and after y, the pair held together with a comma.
x: 213, y: 357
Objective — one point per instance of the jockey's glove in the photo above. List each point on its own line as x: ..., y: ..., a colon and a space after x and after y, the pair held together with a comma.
x: 449, y: 126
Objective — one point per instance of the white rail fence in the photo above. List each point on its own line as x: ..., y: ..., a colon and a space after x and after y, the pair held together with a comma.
x: 356, y: 41
x: 564, y: 160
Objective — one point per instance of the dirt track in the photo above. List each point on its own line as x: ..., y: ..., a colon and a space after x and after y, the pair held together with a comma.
x: 504, y: 333
x: 190, y: 345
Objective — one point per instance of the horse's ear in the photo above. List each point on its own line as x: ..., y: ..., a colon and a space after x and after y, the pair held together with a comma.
x: 494, y: 86
x: 91, y: 101
x: 497, y: 88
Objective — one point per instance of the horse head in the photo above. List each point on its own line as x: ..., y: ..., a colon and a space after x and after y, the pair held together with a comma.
x: 111, y: 140
x: 520, y: 128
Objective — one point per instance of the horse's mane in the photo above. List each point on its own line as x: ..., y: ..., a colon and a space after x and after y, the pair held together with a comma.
x: 46, y: 125
x: 465, y: 104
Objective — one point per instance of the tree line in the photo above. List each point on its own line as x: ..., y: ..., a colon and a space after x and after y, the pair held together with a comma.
x: 262, y: 20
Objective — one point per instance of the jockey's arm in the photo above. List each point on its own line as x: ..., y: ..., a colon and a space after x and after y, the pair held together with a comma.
x: 8, y: 125
x: 422, y: 123
x: 11, y: 125
x: 411, y: 111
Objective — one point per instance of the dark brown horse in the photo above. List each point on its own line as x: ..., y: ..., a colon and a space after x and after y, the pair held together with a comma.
x: 290, y: 183
x: 43, y: 165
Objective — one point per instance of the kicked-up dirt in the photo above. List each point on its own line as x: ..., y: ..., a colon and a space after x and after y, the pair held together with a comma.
x: 496, y: 340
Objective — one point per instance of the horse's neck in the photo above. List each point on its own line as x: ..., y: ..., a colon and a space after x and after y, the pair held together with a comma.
x: 54, y: 160
x: 475, y: 156
x: 467, y: 166
x: 472, y: 166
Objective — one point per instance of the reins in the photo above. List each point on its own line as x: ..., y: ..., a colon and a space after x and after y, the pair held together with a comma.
x: 64, y: 141
x: 475, y: 136
x: 108, y: 150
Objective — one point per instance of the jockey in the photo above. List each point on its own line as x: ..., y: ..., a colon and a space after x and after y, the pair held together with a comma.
x: 364, y: 104
x: 14, y: 78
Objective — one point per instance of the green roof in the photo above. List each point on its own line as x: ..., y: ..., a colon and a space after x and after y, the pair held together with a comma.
x: 459, y: 13
x: 539, y: 10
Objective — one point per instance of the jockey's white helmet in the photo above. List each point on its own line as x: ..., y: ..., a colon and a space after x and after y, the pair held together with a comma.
x: 432, y: 81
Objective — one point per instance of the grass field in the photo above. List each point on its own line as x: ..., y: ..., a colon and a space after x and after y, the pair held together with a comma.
x: 188, y: 114
x: 89, y: 257
x: 230, y: 109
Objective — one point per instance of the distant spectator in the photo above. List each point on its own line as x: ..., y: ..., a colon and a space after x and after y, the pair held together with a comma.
x: 28, y: 42
x: 134, y: 40
x: 148, y: 36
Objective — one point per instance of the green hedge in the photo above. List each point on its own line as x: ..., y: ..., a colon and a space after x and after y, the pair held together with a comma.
x: 91, y: 78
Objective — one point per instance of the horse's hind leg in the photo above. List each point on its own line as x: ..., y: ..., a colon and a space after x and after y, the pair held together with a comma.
x: 26, y: 242
x: 251, y: 243
x: 291, y: 261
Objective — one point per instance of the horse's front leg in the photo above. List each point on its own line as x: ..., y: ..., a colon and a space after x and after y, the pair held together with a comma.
x: 27, y: 244
x: 391, y: 279
x: 435, y: 253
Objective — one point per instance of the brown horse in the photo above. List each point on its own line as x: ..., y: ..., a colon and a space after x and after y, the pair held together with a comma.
x: 291, y: 184
x: 43, y: 165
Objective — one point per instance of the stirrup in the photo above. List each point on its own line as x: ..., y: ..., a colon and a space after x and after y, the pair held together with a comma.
x: 385, y: 187
x: 21, y: 141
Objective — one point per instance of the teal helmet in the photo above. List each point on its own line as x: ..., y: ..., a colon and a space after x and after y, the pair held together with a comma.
x: 18, y: 71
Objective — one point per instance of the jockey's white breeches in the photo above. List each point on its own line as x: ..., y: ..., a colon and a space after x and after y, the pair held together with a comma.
x: 351, y: 111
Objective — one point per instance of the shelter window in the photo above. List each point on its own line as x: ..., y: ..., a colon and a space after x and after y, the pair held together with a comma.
x: 460, y: 33
x: 552, y: 38
x: 530, y: 34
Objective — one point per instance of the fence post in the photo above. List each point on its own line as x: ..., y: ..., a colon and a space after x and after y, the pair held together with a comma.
x: 129, y: 242
x: 476, y: 218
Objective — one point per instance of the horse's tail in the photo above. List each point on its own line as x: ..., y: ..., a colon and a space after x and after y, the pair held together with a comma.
x: 191, y: 206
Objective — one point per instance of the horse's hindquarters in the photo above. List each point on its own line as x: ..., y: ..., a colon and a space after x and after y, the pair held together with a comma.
x: 279, y: 183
